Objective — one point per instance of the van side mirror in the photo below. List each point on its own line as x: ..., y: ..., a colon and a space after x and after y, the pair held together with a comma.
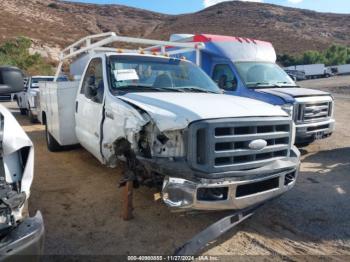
x: 11, y: 80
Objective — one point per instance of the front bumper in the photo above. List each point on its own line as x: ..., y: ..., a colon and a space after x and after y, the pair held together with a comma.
x: 27, y: 239
x: 313, y: 131
x: 233, y: 193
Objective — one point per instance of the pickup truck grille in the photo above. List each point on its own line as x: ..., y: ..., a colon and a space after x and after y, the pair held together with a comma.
x: 314, y: 112
x: 223, y: 145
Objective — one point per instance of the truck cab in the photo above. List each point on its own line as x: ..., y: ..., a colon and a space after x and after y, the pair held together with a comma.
x: 247, y: 68
x: 172, y: 126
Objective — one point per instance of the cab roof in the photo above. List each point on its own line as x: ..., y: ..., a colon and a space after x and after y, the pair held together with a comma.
x: 236, y: 49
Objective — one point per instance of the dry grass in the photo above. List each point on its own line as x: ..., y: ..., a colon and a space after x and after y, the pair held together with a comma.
x: 56, y: 23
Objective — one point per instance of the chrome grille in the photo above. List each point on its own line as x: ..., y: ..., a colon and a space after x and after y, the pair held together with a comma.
x: 314, y: 112
x: 223, y: 145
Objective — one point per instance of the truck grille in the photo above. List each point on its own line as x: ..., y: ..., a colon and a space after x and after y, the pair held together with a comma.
x: 314, y: 112
x: 223, y: 145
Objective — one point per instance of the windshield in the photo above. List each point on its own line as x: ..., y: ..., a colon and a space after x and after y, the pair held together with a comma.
x: 263, y: 74
x: 137, y: 73
x: 35, y: 81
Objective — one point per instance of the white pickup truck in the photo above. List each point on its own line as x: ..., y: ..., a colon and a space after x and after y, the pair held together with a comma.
x: 19, y: 233
x: 28, y: 99
x: 171, y: 125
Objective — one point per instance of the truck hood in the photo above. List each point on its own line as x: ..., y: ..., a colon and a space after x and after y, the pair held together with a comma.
x: 174, y: 111
x: 288, y: 93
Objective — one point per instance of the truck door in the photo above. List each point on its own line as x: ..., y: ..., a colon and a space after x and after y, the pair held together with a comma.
x: 224, y: 77
x: 89, y: 108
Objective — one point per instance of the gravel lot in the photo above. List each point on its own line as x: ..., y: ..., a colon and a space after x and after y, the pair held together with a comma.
x: 81, y: 204
x: 338, y: 85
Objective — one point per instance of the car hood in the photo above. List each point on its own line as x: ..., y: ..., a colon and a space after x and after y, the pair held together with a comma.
x: 288, y: 93
x: 173, y: 111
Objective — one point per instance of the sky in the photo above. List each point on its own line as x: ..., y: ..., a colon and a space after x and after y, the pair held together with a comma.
x: 189, y: 6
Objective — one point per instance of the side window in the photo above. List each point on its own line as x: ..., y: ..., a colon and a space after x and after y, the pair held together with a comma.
x: 93, y: 86
x: 224, y: 77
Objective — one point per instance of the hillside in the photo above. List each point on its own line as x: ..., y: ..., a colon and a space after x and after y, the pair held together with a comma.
x: 53, y: 24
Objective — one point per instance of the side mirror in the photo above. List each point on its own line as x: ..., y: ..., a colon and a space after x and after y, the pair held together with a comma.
x: 11, y: 80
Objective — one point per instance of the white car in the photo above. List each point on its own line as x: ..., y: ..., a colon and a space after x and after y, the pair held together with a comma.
x: 19, y: 233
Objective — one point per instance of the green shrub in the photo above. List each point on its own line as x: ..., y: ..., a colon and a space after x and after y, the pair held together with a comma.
x: 16, y: 53
x: 334, y: 55
x: 53, y: 5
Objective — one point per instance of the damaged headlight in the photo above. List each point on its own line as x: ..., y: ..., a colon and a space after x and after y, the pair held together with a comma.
x: 178, y: 193
x: 10, y: 200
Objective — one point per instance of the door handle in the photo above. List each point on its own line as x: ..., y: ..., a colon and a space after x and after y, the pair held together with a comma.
x: 76, y: 106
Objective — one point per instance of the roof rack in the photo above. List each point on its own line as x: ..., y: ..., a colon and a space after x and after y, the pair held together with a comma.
x: 98, y: 42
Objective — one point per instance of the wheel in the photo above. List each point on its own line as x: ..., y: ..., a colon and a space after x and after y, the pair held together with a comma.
x: 23, y: 111
x: 32, y: 118
x: 51, y: 142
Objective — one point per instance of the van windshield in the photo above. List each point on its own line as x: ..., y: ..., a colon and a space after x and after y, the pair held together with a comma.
x: 154, y: 74
x: 263, y: 74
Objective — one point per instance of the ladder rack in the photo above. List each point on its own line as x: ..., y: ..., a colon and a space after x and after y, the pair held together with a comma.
x: 98, y: 43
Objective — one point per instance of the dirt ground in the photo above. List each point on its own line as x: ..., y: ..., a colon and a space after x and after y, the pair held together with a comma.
x: 338, y: 85
x: 81, y: 205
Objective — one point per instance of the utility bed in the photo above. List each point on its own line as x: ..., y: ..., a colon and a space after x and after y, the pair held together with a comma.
x: 58, y: 101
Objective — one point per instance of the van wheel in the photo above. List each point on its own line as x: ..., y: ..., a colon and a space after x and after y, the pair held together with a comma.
x: 51, y: 142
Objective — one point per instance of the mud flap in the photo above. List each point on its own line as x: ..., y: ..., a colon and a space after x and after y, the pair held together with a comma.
x: 211, y: 233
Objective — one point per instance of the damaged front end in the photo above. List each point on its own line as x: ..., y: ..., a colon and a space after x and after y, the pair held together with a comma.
x: 214, y: 164
x: 19, y: 233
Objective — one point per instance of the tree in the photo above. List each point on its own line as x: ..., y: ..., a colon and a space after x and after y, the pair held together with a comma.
x: 334, y: 55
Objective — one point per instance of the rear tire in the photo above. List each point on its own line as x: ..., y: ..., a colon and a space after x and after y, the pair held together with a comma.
x: 51, y: 142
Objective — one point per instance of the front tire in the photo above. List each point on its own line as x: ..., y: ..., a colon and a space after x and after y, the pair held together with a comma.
x: 52, y: 144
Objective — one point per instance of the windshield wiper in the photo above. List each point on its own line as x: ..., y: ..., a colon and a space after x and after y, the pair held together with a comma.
x: 197, y: 89
x: 148, y: 88
x: 275, y: 85
x: 260, y: 85
x: 286, y: 84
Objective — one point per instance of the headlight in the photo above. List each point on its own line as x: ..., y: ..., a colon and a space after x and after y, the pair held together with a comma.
x: 178, y: 193
x: 289, y: 109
